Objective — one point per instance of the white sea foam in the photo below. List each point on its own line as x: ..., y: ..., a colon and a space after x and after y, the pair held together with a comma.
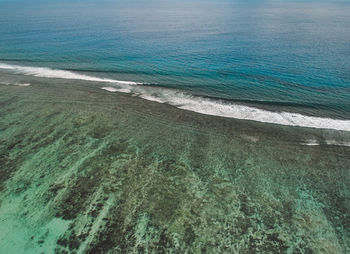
x: 21, y: 84
x: 60, y: 74
x: 6, y: 66
x: 337, y: 143
x: 326, y: 142
x: 193, y: 103
x: 231, y: 110
x: 250, y: 113
x: 311, y: 143
x: 110, y: 89
x: 15, y: 84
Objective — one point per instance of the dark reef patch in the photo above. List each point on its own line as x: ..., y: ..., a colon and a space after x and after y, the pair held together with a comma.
x: 103, y: 175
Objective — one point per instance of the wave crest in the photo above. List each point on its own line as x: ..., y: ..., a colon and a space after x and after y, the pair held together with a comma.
x: 186, y: 101
x: 208, y: 106
x: 61, y: 74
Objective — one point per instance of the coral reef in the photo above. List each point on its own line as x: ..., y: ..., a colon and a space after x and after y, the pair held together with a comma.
x: 85, y: 171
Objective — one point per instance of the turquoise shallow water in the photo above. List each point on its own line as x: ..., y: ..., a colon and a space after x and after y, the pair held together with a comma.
x: 280, y: 55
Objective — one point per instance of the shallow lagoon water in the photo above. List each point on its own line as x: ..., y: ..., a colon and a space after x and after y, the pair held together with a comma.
x: 89, y: 171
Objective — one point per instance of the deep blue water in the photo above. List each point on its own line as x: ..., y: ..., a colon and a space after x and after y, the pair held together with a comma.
x: 271, y: 53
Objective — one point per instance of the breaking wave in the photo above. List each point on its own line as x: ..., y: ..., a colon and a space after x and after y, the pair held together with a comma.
x: 60, y: 74
x: 183, y: 100
x: 222, y: 108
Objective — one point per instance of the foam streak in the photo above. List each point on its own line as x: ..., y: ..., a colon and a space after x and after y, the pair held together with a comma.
x: 60, y: 74
x: 189, y: 102
x: 230, y: 110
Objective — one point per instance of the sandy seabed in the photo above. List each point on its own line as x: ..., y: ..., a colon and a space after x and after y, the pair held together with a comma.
x: 83, y: 170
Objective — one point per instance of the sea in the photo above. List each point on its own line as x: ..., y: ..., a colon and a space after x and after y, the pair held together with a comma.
x: 277, y: 61
x: 174, y: 126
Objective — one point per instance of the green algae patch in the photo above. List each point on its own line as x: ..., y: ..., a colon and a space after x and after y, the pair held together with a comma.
x: 90, y: 172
